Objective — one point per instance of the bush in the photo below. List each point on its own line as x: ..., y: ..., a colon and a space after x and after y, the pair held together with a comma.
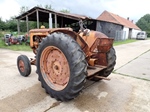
x: 1, y: 34
x: 148, y: 33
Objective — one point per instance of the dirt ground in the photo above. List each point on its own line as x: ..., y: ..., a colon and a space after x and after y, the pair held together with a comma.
x: 127, y: 91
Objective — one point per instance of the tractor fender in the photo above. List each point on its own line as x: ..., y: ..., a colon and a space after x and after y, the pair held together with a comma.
x: 68, y: 31
x: 97, y: 39
x: 74, y: 35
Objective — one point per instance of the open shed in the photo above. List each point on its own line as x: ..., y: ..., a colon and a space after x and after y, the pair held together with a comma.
x: 59, y: 19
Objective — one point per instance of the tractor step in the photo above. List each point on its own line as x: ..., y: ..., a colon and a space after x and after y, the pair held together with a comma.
x: 92, y: 70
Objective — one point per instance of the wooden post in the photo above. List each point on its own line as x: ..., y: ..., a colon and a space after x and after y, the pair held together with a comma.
x: 18, y: 26
x: 37, y: 18
x: 27, y: 23
x: 55, y: 21
x: 50, y: 20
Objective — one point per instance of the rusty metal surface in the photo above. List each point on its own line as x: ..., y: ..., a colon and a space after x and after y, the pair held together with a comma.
x: 21, y: 66
x: 98, y: 44
x: 39, y: 30
x: 42, y: 33
x: 47, y: 30
x: 54, y: 68
x: 32, y: 61
x: 93, y: 70
x: 91, y: 62
x: 105, y: 44
x: 89, y: 39
x: 74, y: 35
x: 102, y: 59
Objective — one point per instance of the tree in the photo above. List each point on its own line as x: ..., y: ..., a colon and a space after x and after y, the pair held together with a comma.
x: 23, y: 9
x: 65, y: 11
x: 2, y: 24
x: 11, y: 24
x: 49, y: 7
x: 144, y: 23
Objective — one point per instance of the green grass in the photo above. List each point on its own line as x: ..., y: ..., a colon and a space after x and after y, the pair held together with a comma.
x: 22, y: 47
x: 17, y: 47
x: 116, y: 43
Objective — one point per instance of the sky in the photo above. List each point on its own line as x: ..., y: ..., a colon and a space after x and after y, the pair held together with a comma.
x: 134, y: 9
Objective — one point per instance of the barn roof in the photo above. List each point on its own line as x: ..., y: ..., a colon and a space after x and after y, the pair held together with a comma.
x: 44, y: 13
x: 113, y: 18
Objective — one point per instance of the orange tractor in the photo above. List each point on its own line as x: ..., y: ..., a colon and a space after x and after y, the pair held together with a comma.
x: 65, y: 59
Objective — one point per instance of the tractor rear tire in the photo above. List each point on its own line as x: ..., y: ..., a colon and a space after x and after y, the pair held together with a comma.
x: 24, y: 65
x: 111, y: 60
x: 61, y: 66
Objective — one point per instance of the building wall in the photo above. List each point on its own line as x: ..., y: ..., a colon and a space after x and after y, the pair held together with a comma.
x: 118, y: 32
x: 111, y: 30
x: 126, y: 30
x: 107, y: 28
x: 134, y: 33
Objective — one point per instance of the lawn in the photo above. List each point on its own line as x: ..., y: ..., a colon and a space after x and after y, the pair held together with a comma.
x: 22, y: 47
x: 116, y: 43
x: 17, y: 47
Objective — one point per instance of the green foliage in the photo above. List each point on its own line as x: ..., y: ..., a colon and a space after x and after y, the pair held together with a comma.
x: 49, y: 7
x: 23, y: 9
x: 1, y: 35
x: 23, y: 27
x: 11, y: 24
x: 15, y: 47
x: 2, y: 24
x: 116, y: 43
x: 148, y: 33
x: 33, y: 24
x: 65, y: 11
x: 144, y: 23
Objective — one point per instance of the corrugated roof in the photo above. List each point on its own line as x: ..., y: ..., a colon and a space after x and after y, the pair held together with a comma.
x: 113, y: 18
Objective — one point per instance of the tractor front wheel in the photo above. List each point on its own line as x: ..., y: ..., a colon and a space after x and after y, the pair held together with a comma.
x: 24, y: 65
